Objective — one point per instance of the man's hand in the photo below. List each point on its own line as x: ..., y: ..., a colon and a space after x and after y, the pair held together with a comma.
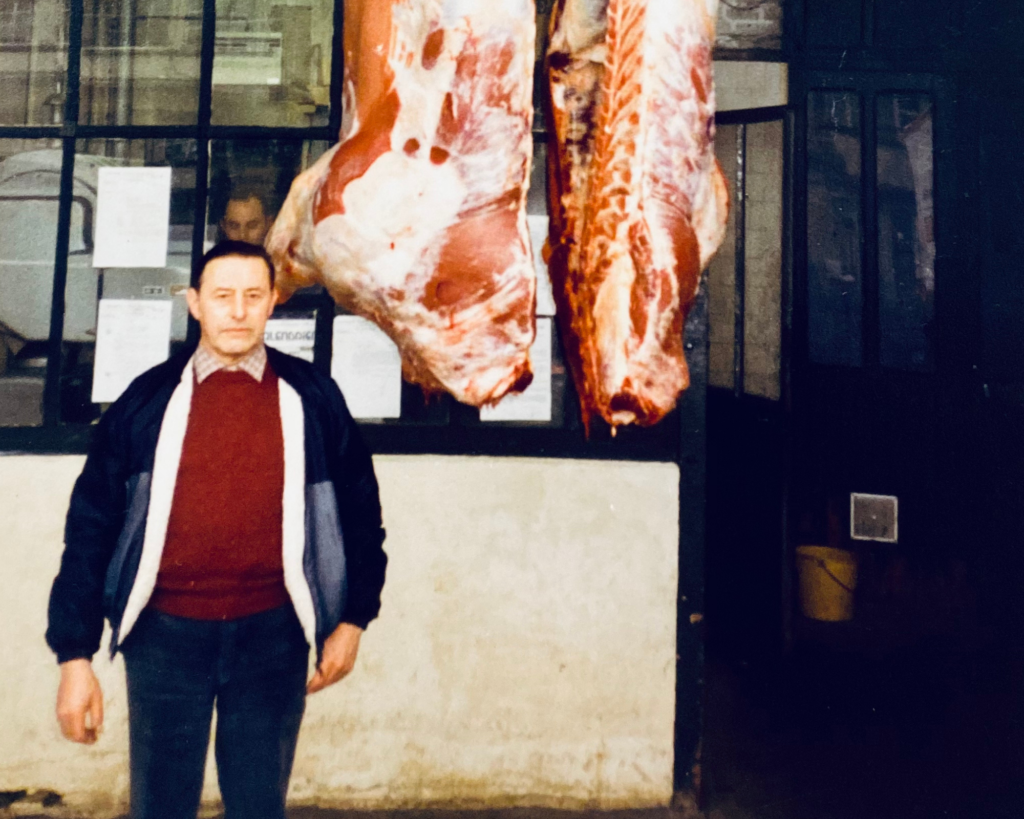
x: 339, y: 656
x: 79, y: 702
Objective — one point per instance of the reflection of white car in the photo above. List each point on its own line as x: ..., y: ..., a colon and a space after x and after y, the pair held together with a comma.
x: 29, y: 191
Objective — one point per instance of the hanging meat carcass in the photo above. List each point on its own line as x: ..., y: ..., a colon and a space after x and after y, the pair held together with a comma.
x: 638, y: 203
x: 416, y: 219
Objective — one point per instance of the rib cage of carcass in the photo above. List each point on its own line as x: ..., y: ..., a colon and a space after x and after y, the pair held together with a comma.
x: 638, y: 203
x: 416, y: 219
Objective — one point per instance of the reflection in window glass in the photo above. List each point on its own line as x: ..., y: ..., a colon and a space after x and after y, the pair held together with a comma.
x: 722, y: 275
x: 272, y: 62
x: 86, y: 285
x: 834, y: 295
x: 762, y: 264
x: 906, y: 239
x: 29, y: 189
x: 763, y: 294
x: 33, y: 61
x: 249, y: 180
x: 140, y: 62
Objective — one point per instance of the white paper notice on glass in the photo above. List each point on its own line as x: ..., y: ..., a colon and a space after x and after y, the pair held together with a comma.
x: 132, y: 335
x: 295, y: 336
x: 133, y: 214
x: 538, y: 226
x: 533, y: 403
x: 368, y: 368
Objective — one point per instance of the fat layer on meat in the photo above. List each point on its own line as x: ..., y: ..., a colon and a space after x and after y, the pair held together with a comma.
x: 638, y: 202
x: 417, y: 218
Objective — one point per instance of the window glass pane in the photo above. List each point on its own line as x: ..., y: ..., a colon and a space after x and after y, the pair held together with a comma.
x: 834, y: 295
x: 906, y: 239
x: 722, y: 274
x: 272, y: 62
x: 249, y: 180
x: 87, y: 285
x: 29, y: 190
x: 33, y: 61
x: 763, y: 299
x: 140, y: 62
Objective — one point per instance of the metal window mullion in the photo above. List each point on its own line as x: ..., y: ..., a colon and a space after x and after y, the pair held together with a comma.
x: 129, y: 132
x: 786, y: 347
x: 789, y: 137
x: 31, y: 131
x: 202, y: 137
x: 692, y: 461
x: 740, y: 272
x: 750, y: 116
x: 323, y: 346
x: 269, y: 132
x: 337, y: 69
x: 54, y: 354
x: 871, y: 334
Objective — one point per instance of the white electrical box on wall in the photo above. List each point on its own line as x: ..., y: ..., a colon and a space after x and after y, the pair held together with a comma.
x: 874, y: 517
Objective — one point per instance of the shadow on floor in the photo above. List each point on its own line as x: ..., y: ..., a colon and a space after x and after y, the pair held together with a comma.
x: 922, y: 731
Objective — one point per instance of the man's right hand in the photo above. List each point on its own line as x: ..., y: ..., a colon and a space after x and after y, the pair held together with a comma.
x: 79, y: 702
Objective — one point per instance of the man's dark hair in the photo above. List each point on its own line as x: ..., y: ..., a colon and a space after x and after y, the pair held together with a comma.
x: 230, y: 247
x: 242, y: 190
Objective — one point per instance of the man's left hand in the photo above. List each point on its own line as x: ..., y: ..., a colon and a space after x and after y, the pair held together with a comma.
x: 338, y: 659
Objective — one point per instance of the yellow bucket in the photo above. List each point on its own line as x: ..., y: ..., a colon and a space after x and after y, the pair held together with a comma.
x: 828, y: 578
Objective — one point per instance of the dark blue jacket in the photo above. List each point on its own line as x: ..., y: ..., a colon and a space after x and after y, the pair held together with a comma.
x: 116, y: 523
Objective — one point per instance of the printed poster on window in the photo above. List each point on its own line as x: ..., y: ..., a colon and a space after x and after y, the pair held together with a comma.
x: 368, y: 368
x: 132, y: 335
x: 533, y: 403
x: 538, y: 226
x: 294, y: 336
x: 133, y: 216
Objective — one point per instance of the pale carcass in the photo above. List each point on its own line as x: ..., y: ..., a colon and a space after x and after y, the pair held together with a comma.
x: 416, y: 219
x: 638, y: 203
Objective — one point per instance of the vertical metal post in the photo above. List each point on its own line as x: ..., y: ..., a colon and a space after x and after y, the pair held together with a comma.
x: 54, y: 354
x: 337, y: 68
x: 689, y: 726
x: 785, y: 375
x: 324, y: 347
x: 740, y: 278
x: 871, y: 333
x: 203, y: 116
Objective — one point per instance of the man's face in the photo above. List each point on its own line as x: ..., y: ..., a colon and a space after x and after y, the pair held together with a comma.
x: 245, y: 221
x: 232, y: 305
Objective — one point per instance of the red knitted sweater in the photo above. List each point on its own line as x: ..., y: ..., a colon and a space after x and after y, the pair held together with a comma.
x: 222, y: 556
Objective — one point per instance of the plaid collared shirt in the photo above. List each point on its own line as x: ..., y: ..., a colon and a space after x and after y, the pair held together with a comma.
x: 206, y: 363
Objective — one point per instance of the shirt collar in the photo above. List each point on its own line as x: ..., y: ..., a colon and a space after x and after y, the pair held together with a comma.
x: 206, y: 363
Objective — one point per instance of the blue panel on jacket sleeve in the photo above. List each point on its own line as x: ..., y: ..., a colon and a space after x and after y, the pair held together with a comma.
x: 324, y: 561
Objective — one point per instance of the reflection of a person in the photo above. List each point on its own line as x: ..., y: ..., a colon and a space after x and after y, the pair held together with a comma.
x: 246, y: 217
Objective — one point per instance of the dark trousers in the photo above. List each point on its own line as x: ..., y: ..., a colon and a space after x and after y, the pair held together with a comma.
x: 254, y: 669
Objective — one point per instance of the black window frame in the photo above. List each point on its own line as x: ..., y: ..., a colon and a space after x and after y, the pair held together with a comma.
x: 867, y: 87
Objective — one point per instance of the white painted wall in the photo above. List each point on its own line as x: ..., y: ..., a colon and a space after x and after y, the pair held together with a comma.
x: 524, y: 655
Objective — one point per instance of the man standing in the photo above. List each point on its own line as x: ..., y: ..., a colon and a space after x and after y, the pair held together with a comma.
x: 226, y: 520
